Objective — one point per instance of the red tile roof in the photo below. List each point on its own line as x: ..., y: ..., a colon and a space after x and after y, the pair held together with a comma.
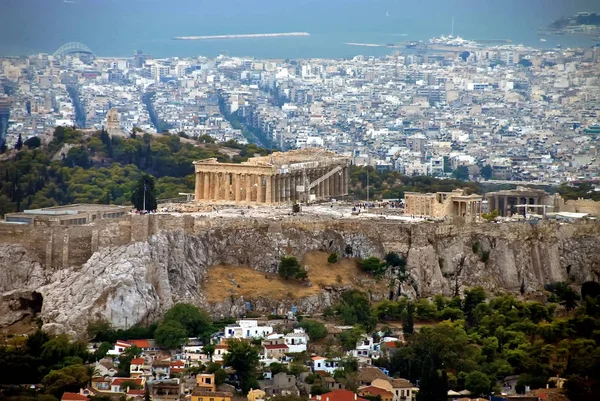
x: 338, y: 395
x: 136, y: 392
x: 140, y: 343
x: 276, y: 346
x: 120, y: 380
x: 390, y: 344
x: 74, y: 397
x: 376, y: 391
x: 137, y: 361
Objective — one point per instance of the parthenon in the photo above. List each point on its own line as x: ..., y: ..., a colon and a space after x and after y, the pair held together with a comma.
x: 282, y: 177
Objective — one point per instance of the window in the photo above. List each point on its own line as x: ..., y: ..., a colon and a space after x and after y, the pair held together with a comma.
x: 208, y: 380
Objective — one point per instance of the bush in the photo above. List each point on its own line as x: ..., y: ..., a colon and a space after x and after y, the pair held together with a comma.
x: 372, y: 265
x: 491, y: 216
x: 395, y: 260
x: 333, y: 258
x: 290, y: 267
x: 315, y: 330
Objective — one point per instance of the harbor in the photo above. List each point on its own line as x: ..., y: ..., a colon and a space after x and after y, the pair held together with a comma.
x: 242, y: 36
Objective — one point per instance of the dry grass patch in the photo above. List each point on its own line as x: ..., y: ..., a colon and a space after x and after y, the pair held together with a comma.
x: 227, y: 280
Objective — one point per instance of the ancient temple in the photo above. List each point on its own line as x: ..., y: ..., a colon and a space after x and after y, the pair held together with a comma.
x: 282, y: 177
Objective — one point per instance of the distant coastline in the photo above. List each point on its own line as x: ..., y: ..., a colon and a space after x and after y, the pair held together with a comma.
x: 242, y: 36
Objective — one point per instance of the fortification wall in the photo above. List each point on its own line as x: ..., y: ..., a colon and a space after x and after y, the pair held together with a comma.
x: 57, y: 247
x: 581, y: 206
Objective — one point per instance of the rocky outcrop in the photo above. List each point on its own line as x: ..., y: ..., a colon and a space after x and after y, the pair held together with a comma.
x: 136, y: 282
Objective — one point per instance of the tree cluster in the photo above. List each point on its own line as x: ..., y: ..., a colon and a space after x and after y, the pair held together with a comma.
x: 97, y: 168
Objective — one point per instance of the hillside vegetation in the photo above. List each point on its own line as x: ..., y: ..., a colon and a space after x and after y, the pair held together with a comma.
x: 83, y: 167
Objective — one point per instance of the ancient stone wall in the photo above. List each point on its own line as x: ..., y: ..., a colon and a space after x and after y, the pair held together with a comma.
x: 133, y: 269
x: 580, y: 206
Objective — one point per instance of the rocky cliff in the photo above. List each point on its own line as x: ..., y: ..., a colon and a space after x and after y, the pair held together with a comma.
x: 135, y: 281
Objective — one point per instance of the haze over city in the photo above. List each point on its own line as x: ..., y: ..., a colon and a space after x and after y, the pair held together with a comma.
x: 333, y: 200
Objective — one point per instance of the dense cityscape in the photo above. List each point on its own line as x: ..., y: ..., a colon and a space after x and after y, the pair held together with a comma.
x: 531, y: 115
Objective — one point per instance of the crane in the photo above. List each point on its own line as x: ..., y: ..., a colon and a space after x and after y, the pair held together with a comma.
x: 308, y: 186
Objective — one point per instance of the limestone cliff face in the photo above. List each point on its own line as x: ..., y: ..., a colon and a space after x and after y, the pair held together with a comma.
x: 137, y: 281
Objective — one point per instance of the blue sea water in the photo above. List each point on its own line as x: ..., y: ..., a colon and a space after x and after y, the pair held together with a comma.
x: 118, y: 27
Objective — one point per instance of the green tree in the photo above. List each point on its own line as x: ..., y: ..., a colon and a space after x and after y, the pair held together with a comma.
x: 209, y: 350
x: 170, y: 335
x: 332, y: 258
x: 408, y: 324
x: 473, y: 297
x: 490, y: 216
x: 426, y: 310
x: 290, y: 267
x: 315, y: 330
x: 429, y: 387
x: 243, y: 358
x: 144, y: 193
x: 70, y: 378
x: 19, y: 143
x: 354, y: 308
x: 349, y: 338
x: 197, y: 322
x: 478, y: 384
x: 33, y: 142
x: 487, y: 172
x: 461, y: 173
x: 372, y: 265
x: 219, y: 372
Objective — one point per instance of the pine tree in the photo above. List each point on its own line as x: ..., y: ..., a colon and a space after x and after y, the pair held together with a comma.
x: 144, y: 188
x: 428, y: 383
x: 408, y: 324
x: 107, y: 198
x: 19, y: 144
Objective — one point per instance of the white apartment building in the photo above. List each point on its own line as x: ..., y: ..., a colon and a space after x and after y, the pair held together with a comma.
x: 247, y: 329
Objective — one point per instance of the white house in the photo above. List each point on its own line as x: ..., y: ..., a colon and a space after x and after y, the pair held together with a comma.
x: 119, y: 347
x: 247, y: 329
x: 364, y: 349
x: 325, y: 364
x: 296, y: 341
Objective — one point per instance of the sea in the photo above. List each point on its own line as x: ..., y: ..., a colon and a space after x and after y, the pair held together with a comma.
x: 116, y: 28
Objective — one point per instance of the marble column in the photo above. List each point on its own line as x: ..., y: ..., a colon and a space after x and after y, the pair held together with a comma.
x: 293, y: 193
x: 198, y: 187
x: 248, y: 188
x: 259, y: 189
x: 237, y: 189
x: 345, y: 177
x: 335, y: 185
x: 288, y: 192
x: 226, y: 186
x: 321, y: 184
x: 268, y: 190
x: 205, y: 184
